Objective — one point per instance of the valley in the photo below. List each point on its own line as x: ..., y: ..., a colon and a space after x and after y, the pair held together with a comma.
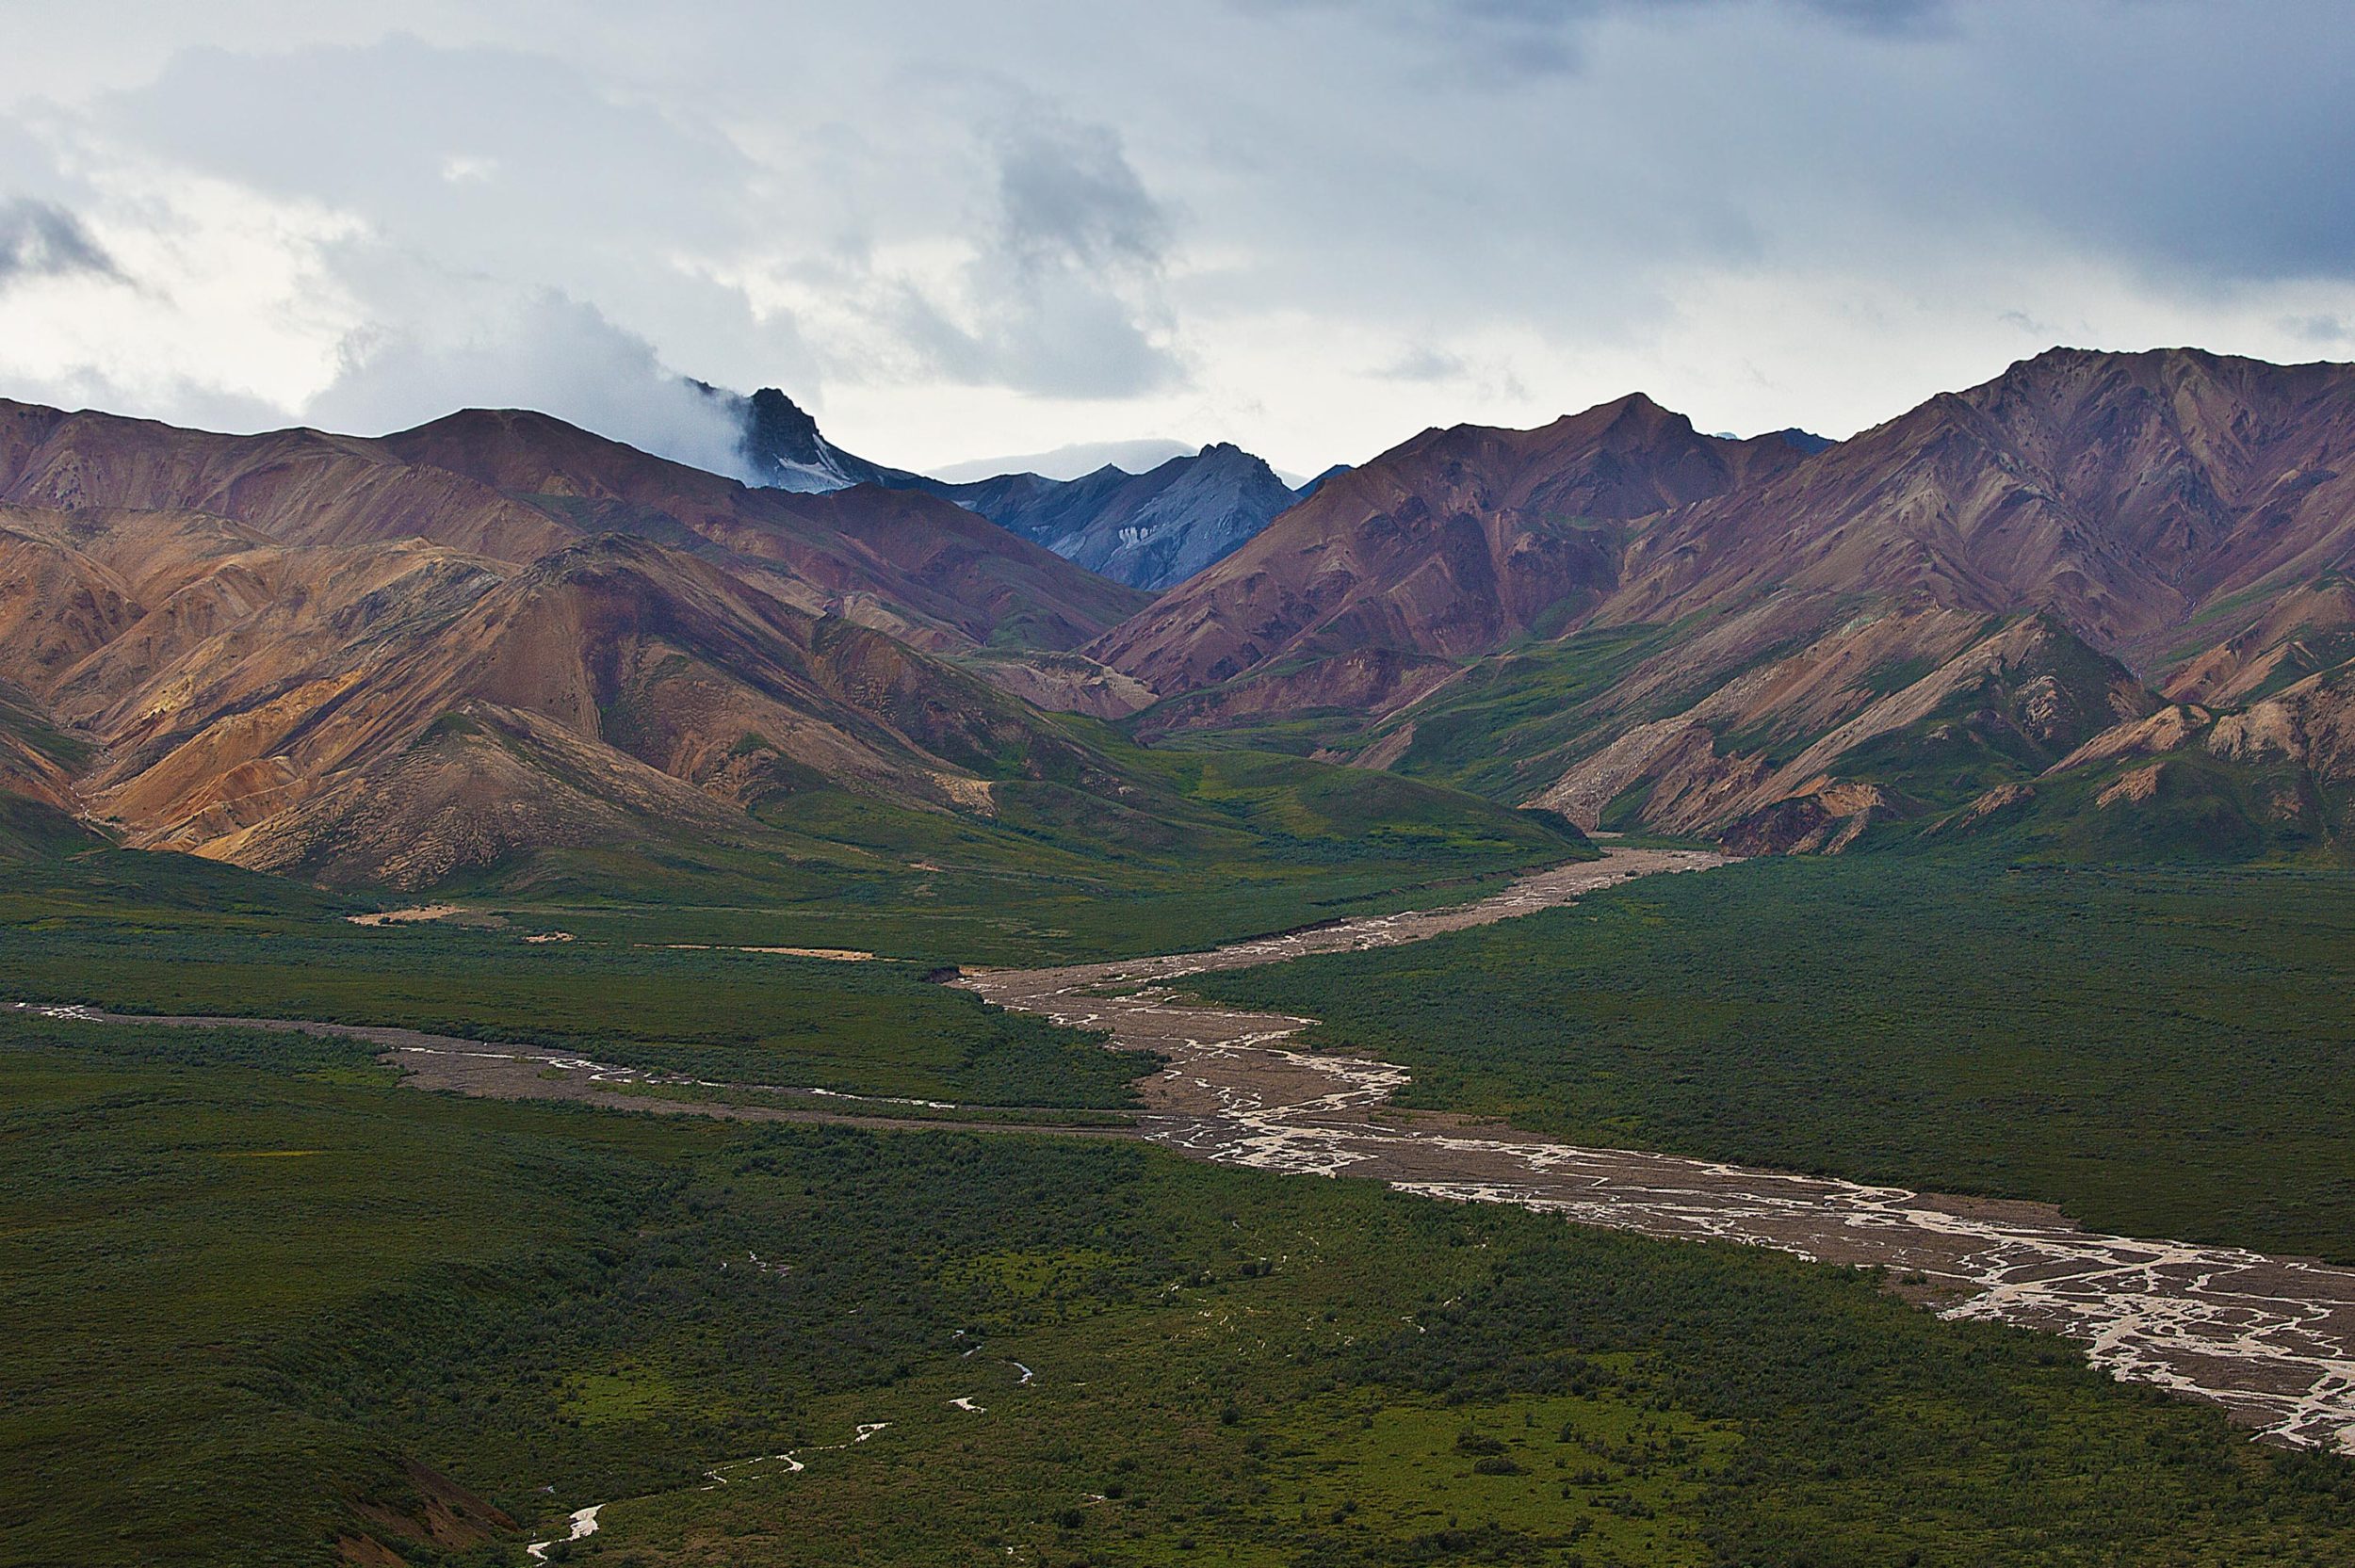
x: 2272, y: 1341
x: 584, y: 1010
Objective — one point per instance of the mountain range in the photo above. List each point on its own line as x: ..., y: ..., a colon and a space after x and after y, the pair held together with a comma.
x: 389, y: 660
x: 2104, y: 604
x: 498, y: 645
x: 2100, y: 588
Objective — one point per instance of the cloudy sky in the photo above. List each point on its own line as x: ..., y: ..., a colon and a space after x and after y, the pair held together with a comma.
x: 1310, y: 226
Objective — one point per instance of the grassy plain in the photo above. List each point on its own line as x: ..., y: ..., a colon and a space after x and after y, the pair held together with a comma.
x: 167, y: 934
x: 265, y: 1308
x: 1233, y: 844
x: 2161, y: 1052
x: 1179, y: 850
x: 1190, y: 849
x: 1170, y: 849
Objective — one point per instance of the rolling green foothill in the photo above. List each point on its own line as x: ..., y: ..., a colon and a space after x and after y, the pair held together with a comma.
x: 1194, y: 850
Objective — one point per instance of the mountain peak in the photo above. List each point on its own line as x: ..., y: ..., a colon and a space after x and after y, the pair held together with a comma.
x: 1636, y: 412
x: 784, y: 449
x: 1640, y: 410
x: 2063, y: 360
x: 777, y: 426
x: 1386, y: 562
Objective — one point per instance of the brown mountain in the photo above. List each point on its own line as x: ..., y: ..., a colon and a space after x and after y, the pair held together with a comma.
x: 928, y: 572
x: 608, y: 685
x: 1440, y: 549
x: 1632, y: 623
x: 2126, y: 493
x: 390, y: 660
x: 2102, y: 599
x: 2183, y: 517
x: 512, y: 486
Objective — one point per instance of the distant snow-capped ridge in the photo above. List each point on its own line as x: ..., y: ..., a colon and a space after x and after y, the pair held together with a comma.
x: 1149, y: 530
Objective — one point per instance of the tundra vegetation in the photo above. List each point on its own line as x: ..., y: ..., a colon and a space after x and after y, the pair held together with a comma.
x: 268, y: 1308
x: 2159, y: 1051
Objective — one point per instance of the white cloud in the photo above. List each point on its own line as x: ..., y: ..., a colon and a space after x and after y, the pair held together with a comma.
x: 219, y: 298
x: 1310, y: 227
x: 487, y: 347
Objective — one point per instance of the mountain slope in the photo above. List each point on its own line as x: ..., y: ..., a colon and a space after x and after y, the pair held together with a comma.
x: 2126, y: 493
x: 615, y: 688
x: 229, y: 644
x: 241, y: 694
x: 2188, y: 781
x: 904, y: 563
x: 2128, y: 500
x: 299, y: 487
x: 1440, y: 549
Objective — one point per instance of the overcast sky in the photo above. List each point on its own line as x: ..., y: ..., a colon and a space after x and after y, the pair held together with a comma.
x: 1308, y: 226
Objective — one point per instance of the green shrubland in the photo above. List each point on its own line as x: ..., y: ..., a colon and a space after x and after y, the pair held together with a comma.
x: 2159, y: 1051
x: 262, y: 1302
